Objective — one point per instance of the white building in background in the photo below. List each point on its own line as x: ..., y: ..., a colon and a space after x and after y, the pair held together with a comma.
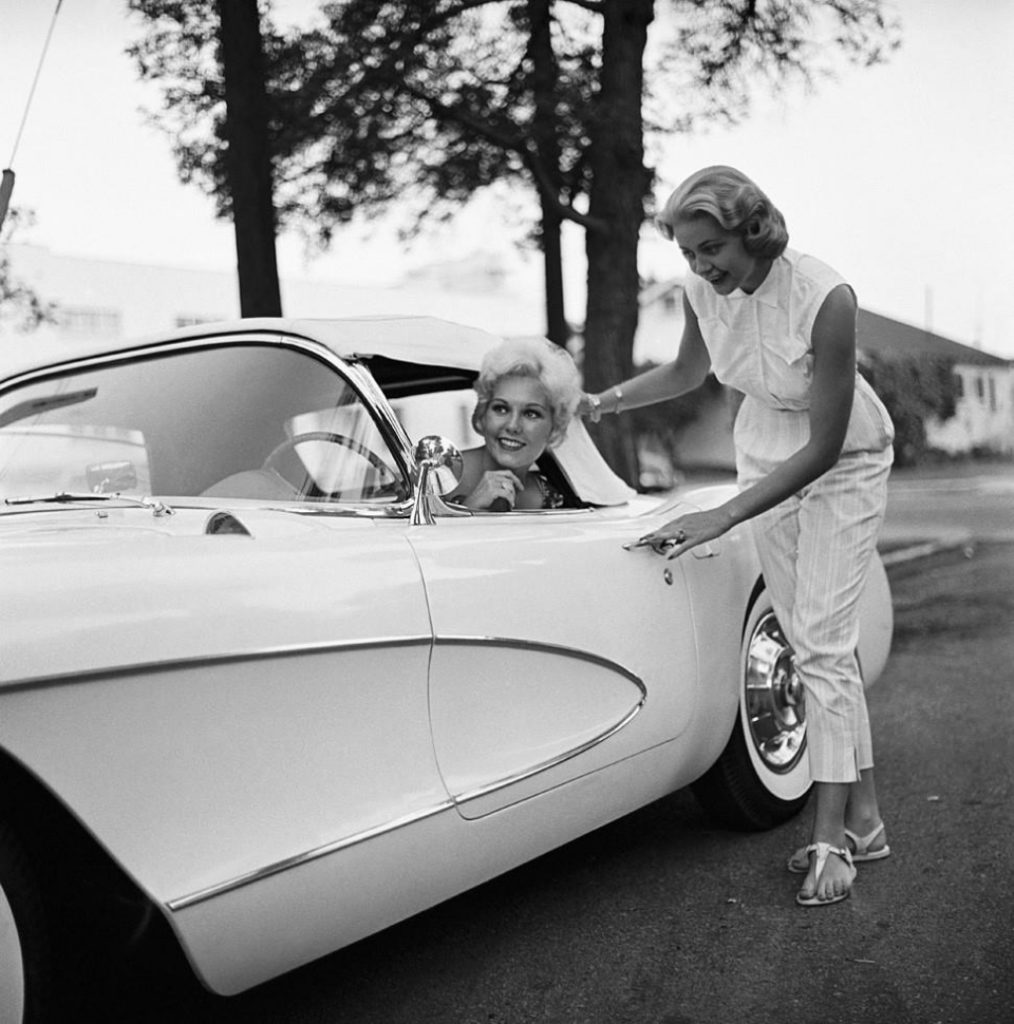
x: 129, y: 300
x: 112, y: 299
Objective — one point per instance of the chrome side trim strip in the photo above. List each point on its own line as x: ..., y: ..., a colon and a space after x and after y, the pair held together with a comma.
x: 207, y: 660
x: 308, y: 856
x: 552, y: 762
x: 446, y: 640
x: 301, y: 859
x: 290, y: 650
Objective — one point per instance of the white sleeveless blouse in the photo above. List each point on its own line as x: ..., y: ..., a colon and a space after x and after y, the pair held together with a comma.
x: 760, y: 344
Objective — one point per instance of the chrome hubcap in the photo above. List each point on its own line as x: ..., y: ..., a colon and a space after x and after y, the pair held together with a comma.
x: 774, y: 698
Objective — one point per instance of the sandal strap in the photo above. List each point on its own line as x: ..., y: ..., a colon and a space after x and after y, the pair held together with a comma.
x: 862, y: 843
x: 824, y: 850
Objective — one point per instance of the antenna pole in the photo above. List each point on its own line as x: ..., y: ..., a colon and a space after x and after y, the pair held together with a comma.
x: 7, y: 185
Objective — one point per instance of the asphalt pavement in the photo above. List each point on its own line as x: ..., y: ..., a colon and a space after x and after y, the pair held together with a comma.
x: 953, y: 505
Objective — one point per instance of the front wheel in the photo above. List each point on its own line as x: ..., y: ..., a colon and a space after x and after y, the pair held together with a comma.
x: 24, y: 951
x: 762, y: 778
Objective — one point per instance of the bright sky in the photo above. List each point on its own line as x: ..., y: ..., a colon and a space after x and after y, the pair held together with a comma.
x: 902, y: 177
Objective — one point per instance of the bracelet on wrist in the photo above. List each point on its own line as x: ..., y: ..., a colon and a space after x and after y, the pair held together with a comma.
x: 618, y: 395
x: 596, y: 408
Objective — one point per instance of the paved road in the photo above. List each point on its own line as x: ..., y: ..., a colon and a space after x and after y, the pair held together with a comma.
x: 969, y: 501
x: 663, y: 919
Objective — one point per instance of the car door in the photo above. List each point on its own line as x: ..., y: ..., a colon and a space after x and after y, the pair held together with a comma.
x: 556, y: 652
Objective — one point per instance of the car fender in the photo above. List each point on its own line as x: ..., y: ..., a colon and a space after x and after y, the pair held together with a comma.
x: 876, y: 622
x: 216, y: 709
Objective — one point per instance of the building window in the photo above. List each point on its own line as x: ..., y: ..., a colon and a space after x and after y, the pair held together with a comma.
x: 980, y: 388
x: 89, y: 322
x: 992, y: 394
x: 959, y: 385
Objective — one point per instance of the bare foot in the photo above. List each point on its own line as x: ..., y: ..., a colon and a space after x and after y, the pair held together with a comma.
x: 829, y: 879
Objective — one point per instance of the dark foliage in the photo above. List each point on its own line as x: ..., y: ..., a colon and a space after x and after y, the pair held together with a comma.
x: 21, y: 306
x: 663, y: 421
x: 913, y: 389
x: 423, y: 103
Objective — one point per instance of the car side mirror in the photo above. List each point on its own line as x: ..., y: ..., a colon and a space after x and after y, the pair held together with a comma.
x: 439, y: 466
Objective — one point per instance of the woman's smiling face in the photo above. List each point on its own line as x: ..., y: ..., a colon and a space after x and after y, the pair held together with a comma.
x: 517, y: 422
x: 719, y: 256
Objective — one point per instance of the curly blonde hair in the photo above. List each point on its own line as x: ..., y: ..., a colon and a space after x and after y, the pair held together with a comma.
x: 541, y: 360
x: 735, y: 202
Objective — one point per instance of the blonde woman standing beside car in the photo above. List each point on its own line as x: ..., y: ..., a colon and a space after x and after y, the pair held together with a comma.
x: 813, y: 453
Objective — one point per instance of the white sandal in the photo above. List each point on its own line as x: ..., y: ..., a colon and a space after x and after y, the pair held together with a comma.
x: 799, y: 862
x: 862, y: 851
x: 823, y: 851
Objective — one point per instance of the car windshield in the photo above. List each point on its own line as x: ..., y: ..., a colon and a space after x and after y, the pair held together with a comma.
x: 232, y: 421
x: 447, y: 413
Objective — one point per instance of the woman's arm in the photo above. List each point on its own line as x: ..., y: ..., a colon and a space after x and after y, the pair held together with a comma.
x: 686, y: 372
x: 834, y: 363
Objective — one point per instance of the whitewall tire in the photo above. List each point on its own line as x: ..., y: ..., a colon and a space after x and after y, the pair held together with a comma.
x: 762, y: 778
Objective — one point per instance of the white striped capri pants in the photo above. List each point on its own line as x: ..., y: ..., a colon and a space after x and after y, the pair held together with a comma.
x: 815, y: 550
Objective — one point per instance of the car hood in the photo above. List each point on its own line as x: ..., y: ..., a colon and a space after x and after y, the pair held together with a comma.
x: 85, y: 594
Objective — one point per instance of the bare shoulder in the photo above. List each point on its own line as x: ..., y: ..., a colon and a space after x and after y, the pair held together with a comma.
x: 840, y: 301
x: 835, y: 323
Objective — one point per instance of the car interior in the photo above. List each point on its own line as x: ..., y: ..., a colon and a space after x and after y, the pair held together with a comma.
x: 439, y: 400
x: 246, y: 421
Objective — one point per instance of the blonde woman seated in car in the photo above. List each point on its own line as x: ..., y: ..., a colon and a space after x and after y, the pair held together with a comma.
x: 528, y: 390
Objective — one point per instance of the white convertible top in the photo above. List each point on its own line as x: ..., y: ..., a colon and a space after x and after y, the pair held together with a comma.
x: 414, y: 339
x: 417, y: 339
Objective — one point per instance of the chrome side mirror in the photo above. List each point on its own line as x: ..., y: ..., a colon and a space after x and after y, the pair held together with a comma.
x: 439, y: 466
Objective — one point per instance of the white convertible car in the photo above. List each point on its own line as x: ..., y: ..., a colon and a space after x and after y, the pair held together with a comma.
x: 258, y: 679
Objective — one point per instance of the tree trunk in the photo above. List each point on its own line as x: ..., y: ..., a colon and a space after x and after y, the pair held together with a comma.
x: 557, y: 328
x: 248, y: 158
x: 620, y: 183
x: 544, y: 76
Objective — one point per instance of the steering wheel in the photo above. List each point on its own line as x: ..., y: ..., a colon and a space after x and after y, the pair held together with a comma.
x: 324, y: 435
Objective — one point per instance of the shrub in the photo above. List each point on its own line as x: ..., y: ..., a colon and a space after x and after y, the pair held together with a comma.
x: 913, y: 388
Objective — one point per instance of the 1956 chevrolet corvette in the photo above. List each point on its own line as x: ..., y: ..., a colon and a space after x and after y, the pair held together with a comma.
x: 256, y: 676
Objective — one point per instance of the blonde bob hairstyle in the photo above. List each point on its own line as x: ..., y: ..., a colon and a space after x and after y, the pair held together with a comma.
x: 540, y: 360
x: 733, y: 200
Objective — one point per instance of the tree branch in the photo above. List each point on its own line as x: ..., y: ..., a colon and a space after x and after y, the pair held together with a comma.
x: 522, y: 148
